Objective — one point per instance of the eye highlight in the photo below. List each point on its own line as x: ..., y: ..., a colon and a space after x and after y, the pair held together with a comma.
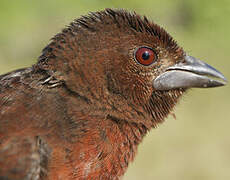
x: 145, y: 56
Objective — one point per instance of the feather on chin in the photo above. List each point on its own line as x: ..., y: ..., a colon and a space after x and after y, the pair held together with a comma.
x: 161, y: 103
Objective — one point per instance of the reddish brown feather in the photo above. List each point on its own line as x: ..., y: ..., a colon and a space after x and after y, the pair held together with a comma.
x: 87, y: 99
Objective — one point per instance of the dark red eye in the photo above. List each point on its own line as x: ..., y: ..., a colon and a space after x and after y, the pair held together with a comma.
x: 145, y: 56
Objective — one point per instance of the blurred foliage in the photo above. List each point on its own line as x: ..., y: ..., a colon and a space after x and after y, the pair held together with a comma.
x: 196, y: 145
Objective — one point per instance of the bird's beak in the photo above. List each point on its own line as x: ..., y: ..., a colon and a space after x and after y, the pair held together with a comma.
x: 192, y: 73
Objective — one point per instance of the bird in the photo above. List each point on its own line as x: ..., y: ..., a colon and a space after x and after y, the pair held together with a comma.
x: 96, y: 90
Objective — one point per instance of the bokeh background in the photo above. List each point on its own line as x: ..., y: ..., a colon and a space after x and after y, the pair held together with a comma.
x: 194, y: 146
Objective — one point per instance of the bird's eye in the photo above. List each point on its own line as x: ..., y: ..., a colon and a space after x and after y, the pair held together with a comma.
x: 145, y: 56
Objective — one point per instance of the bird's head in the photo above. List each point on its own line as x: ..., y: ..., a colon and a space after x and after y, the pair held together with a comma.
x: 124, y: 60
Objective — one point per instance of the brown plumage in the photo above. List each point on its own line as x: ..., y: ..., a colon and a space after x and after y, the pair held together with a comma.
x: 97, y: 89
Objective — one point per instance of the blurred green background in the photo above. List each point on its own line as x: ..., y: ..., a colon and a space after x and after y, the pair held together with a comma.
x: 194, y: 146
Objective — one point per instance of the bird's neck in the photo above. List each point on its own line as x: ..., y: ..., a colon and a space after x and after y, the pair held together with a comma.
x: 109, y: 131
x: 109, y: 148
